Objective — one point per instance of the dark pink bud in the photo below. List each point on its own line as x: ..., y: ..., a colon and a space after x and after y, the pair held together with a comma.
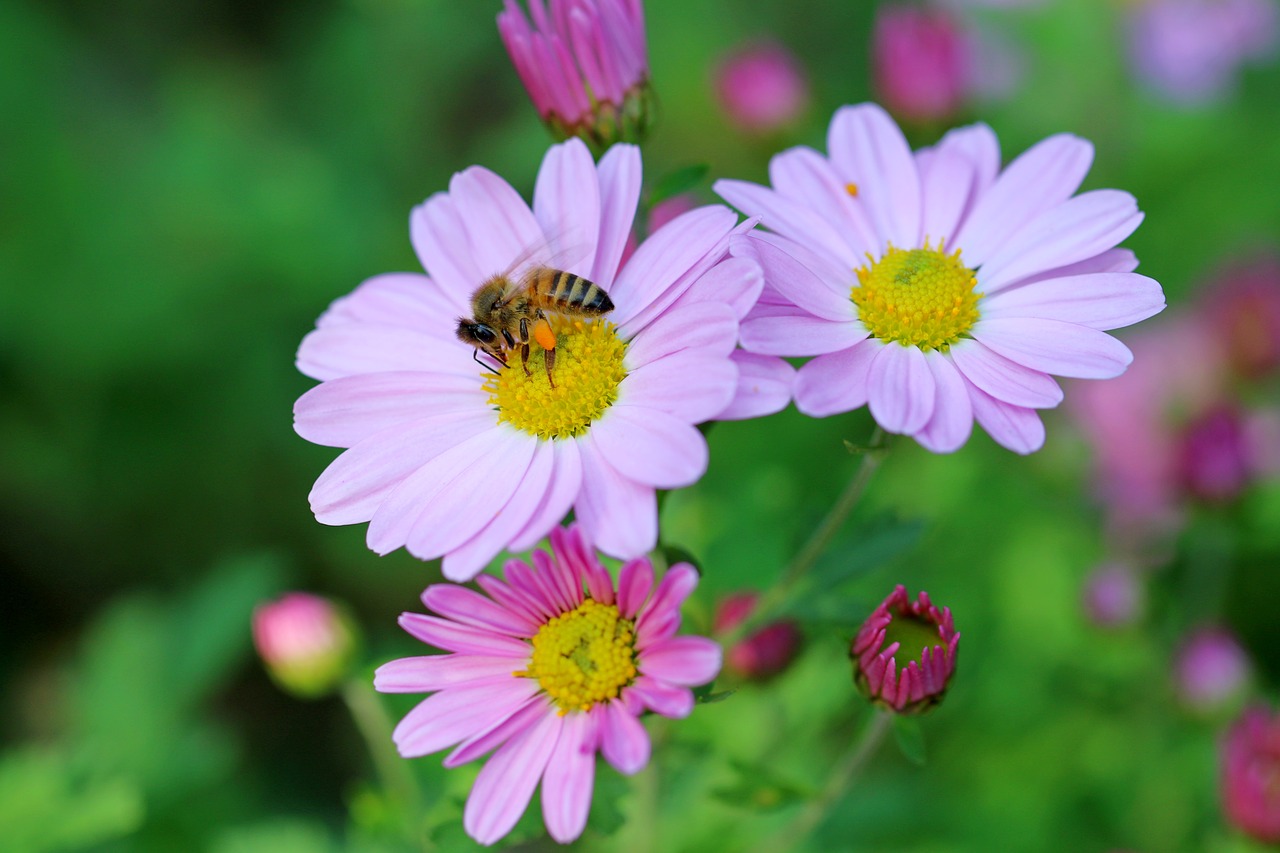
x: 1213, y: 460
x: 764, y: 653
x: 762, y: 88
x: 1245, y: 311
x: 1251, y: 774
x: 905, y: 653
x: 919, y: 63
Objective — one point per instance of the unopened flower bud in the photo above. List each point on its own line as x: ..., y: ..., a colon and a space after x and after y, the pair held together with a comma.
x: 764, y: 653
x: 1214, y: 455
x: 585, y: 65
x: 306, y: 642
x: 1251, y: 774
x: 1211, y: 670
x: 905, y: 653
x: 920, y: 63
x: 761, y: 87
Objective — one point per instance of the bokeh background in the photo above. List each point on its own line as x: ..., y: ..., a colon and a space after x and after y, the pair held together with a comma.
x: 185, y: 186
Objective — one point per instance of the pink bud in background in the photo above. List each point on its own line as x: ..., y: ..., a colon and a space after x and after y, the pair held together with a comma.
x: 764, y: 653
x: 1244, y: 309
x: 1113, y: 596
x: 1251, y: 774
x: 919, y: 63
x: 1211, y: 670
x: 762, y: 87
x: 306, y: 643
x: 1214, y: 455
x: 905, y: 653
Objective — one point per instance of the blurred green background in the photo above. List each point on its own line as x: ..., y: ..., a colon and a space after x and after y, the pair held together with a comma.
x: 185, y: 186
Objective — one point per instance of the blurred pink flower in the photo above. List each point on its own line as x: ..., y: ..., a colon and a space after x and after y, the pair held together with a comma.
x: 306, y: 642
x: 1190, y: 50
x: 1251, y: 774
x: 1113, y: 596
x: 761, y: 87
x: 1211, y: 670
x: 920, y: 62
x: 922, y: 636
x: 545, y: 675
x: 934, y: 287
x: 453, y: 459
x: 585, y: 65
x: 1244, y: 307
x: 1214, y: 457
x: 763, y: 653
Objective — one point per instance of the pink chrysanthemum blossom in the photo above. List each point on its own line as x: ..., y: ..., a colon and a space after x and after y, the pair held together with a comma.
x: 451, y: 459
x: 919, y: 634
x: 935, y: 287
x: 584, y: 64
x: 1251, y: 774
x: 547, y: 674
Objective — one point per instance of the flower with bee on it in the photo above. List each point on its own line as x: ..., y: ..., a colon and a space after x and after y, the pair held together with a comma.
x: 449, y: 459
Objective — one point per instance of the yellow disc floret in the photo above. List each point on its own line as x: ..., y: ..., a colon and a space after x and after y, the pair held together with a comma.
x: 588, y: 369
x: 584, y: 656
x: 918, y: 297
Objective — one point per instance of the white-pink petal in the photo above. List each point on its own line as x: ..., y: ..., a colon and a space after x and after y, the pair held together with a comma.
x: 440, y: 238
x: 869, y: 150
x: 1013, y: 427
x: 765, y: 385
x: 353, y: 348
x: 736, y: 282
x: 566, y: 203
x: 343, y: 412
x: 618, y: 514
x: 651, y: 447
x: 810, y: 280
x: 836, y: 382
x: 688, y: 385
x: 952, y: 420
x: 786, y: 217
x: 1051, y: 346
x: 711, y: 328
x: 1100, y: 301
x: 498, y: 221
x: 619, y: 176
x: 799, y: 335
x: 1004, y: 379
x: 901, y: 389
x: 558, y: 496
x: 805, y: 176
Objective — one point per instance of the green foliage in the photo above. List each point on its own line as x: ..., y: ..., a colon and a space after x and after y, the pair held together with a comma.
x: 49, y: 803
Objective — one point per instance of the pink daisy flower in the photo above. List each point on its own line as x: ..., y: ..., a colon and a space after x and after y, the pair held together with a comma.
x: 935, y: 287
x: 451, y: 458
x: 547, y: 674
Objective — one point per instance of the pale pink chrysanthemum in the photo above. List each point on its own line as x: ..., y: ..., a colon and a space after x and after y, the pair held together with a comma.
x: 449, y: 459
x: 547, y: 675
x: 584, y: 63
x: 936, y: 287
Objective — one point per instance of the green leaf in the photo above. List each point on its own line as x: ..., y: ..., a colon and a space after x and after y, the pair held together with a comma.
x: 758, y: 787
x: 909, y: 736
x: 276, y: 836
x: 677, y: 182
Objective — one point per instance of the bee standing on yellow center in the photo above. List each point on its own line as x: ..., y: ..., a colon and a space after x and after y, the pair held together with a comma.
x: 507, y: 312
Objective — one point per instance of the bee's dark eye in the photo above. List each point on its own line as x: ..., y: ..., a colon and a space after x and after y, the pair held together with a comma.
x: 484, y: 334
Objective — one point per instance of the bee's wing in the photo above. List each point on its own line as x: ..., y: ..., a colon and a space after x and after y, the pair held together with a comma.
x: 564, y: 250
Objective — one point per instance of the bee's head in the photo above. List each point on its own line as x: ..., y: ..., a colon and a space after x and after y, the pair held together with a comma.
x: 477, y: 334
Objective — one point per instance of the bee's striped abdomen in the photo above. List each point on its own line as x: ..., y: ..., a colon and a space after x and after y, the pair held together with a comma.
x: 571, y: 293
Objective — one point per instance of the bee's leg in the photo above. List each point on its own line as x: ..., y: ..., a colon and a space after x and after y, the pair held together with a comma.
x: 546, y: 338
x: 475, y: 356
x: 549, y: 359
x: 524, y: 359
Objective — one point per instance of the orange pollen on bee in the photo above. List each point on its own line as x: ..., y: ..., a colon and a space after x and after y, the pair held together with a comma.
x: 588, y: 371
x: 543, y: 334
x: 584, y: 657
x: 924, y: 298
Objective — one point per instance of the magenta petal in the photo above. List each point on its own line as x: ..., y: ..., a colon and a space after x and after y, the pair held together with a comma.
x: 356, y: 483
x: 429, y: 673
x: 468, y: 607
x: 676, y: 585
x: 870, y: 151
x: 569, y: 778
x: 1051, y: 346
x: 617, y: 513
x: 524, y: 717
x: 837, y: 382
x: 1041, y: 177
x: 1004, y: 379
x: 635, y: 582
x: 566, y: 203
x: 952, y: 421
x: 623, y: 739
x: 619, y: 175
x: 765, y: 385
x: 901, y: 389
x: 452, y: 715
x: 651, y: 447
x: 1100, y: 301
x: 450, y: 636
x: 506, y: 783
x: 686, y: 661
x: 566, y: 481
x: 343, y: 412
x: 669, y: 700
x: 1016, y: 428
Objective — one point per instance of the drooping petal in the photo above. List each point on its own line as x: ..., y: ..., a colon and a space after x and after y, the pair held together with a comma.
x: 837, y: 382
x: 506, y: 783
x: 569, y: 779
x: 1051, y: 346
x: 1013, y: 427
x: 901, y: 389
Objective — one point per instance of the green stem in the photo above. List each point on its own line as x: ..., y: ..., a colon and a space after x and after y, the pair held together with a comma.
x: 799, y: 567
x: 838, y: 781
x: 375, y: 727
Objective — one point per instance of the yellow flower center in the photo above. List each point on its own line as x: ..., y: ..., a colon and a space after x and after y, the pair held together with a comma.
x: 584, y: 656
x: 587, y: 371
x: 917, y: 297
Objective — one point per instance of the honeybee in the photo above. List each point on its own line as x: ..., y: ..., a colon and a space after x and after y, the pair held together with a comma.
x: 507, y: 312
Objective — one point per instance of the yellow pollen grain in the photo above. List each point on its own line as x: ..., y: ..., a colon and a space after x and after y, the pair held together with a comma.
x: 924, y: 298
x: 588, y: 369
x: 851, y: 189
x: 584, y: 657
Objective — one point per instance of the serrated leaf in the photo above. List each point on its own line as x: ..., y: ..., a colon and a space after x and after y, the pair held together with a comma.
x: 909, y: 736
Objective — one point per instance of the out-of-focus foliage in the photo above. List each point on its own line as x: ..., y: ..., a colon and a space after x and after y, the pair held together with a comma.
x: 185, y: 186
